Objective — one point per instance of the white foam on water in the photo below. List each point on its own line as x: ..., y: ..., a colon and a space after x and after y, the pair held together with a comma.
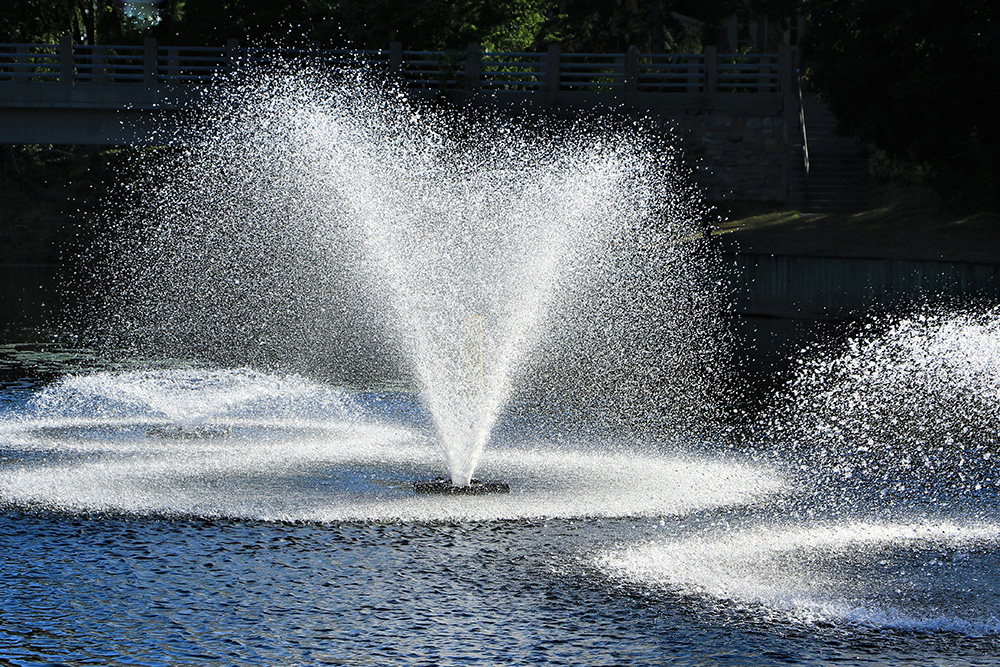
x: 838, y: 574
x: 286, y: 448
x: 577, y: 484
x: 188, y: 396
x: 286, y: 481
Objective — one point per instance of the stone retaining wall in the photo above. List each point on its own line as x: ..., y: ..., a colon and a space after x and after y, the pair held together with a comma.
x: 743, y: 146
x: 842, y: 287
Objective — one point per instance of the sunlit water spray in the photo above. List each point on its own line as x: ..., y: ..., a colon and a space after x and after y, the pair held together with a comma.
x: 909, y: 408
x: 890, y: 439
x: 543, y: 288
x: 325, y: 223
x: 283, y: 448
x: 543, y: 285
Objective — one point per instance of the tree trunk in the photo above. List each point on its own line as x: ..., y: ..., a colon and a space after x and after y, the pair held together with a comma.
x: 657, y: 31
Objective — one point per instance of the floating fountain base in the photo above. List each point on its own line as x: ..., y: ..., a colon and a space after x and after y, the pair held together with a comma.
x: 443, y: 487
x: 189, y: 433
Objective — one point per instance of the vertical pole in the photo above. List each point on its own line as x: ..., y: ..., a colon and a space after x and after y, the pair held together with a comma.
x: 97, y: 65
x: 760, y: 39
x: 66, y: 59
x: 149, y: 65
x: 632, y: 70
x: 396, y: 59
x: 733, y: 34
x: 784, y: 69
x: 232, y: 53
x: 761, y: 43
x: 551, y: 74
x: 800, y: 36
x: 473, y: 67
x: 711, y: 69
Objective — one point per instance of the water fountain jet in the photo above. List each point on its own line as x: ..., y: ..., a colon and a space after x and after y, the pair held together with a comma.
x: 299, y: 232
x: 316, y: 220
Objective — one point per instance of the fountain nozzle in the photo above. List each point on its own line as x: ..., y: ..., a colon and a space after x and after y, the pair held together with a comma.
x: 475, y: 487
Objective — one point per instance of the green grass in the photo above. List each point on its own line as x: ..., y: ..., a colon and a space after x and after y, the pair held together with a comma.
x: 900, y: 222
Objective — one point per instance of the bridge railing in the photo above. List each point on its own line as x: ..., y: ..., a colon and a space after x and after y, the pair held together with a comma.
x: 473, y: 69
x: 500, y: 70
x: 30, y: 62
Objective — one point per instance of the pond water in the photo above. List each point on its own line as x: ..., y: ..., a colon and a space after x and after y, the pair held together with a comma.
x: 238, y: 489
x: 164, y: 514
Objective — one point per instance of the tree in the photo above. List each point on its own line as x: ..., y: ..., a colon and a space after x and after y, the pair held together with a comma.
x: 268, y: 22
x: 501, y: 25
x: 86, y: 21
x: 610, y: 26
x: 656, y: 26
x: 913, y: 78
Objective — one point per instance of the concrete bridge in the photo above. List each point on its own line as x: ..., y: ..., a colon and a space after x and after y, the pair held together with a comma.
x: 81, y: 94
x: 741, y: 116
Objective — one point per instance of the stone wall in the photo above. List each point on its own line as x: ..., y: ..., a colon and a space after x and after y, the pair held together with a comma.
x: 742, y: 146
x: 846, y: 287
x: 737, y: 155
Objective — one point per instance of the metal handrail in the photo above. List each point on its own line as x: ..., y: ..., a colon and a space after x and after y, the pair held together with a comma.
x: 802, y: 124
x: 805, y: 136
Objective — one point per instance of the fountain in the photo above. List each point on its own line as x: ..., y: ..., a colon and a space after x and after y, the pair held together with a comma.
x: 341, y: 289
x: 893, y: 435
x: 908, y: 407
x: 309, y: 220
x: 322, y: 295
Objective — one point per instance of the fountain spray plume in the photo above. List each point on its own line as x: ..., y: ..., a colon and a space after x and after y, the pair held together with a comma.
x: 907, y: 409
x: 322, y: 220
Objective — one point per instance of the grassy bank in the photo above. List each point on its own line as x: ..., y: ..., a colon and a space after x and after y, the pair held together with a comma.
x: 899, y: 222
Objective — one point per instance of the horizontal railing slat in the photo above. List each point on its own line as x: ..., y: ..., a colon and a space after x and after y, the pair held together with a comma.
x: 491, y: 70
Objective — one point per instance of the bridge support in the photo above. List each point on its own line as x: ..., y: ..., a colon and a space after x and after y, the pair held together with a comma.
x: 32, y: 113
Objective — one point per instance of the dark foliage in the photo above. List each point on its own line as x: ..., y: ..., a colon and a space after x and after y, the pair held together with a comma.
x: 505, y: 25
x: 269, y: 22
x: 914, y: 78
x: 431, y: 24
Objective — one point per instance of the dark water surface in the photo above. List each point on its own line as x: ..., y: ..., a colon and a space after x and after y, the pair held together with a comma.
x: 147, y: 591
x: 119, y: 546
